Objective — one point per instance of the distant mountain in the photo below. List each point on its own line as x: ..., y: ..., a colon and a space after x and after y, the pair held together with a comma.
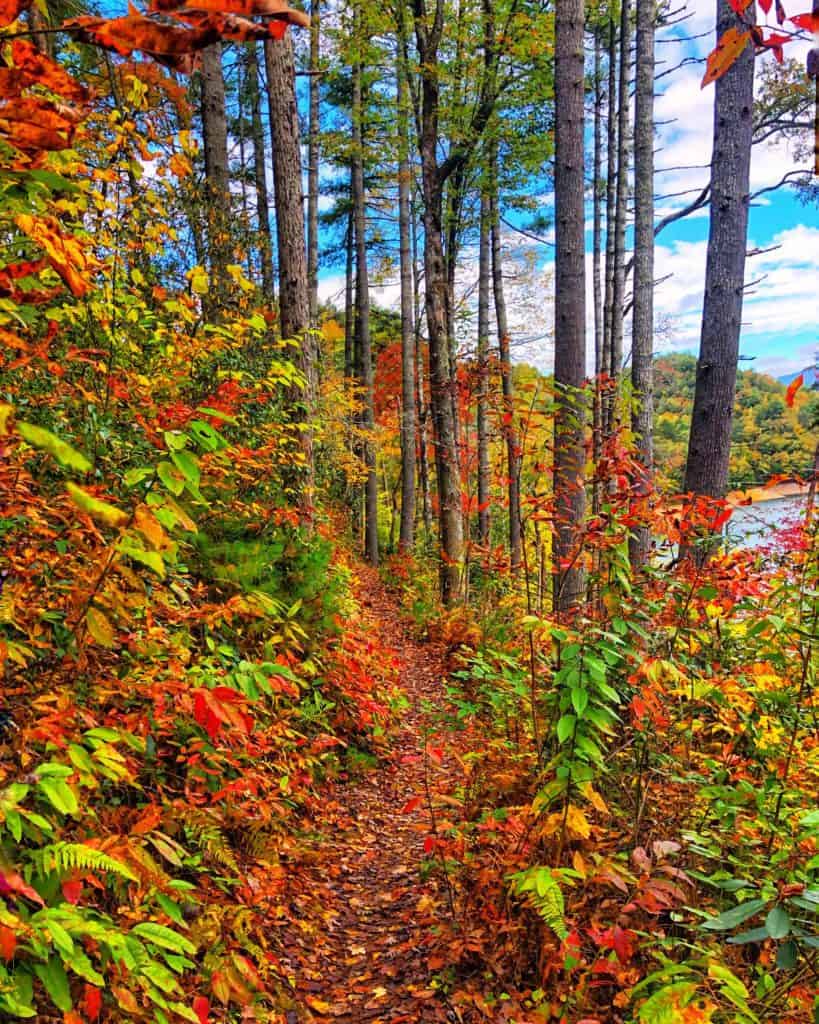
x: 770, y: 437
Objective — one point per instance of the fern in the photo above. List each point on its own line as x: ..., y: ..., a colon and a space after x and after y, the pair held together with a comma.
x: 63, y: 858
x: 539, y: 887
x: 204, y: 832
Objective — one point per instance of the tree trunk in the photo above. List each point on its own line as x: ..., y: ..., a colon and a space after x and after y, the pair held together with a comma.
x: 422, y: 411
x: 447, y: 470
x: 313, y: 157
x: 294, y: 303
x: 349, y: 310
x: 260, y: 175
x: 483, y: 370
x: 611, y: 196
x: 217, y: 182
x: 507, y: 385
x: 618, y: 301
x: 597, y: 286
x: 408, y: 438
x: 642, y: 329
x: 570, y: 312
x: 362, y: 321
x: 709, y: 443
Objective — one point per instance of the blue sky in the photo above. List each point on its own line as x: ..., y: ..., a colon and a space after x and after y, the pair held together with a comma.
x: 781, y: 312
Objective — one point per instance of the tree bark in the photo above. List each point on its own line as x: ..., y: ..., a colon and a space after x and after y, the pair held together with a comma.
x: 597, y: 284
x: 362, y: 320
x: 618, y: 301
x: 447, y: 469
x: 611, y: 197
x: 408, y: 438
x: 260, y: 175
x: 349, y: 309
x: 570, y: 312
x: 642, y: 329
x: 294, y: 304
x: 709, y: 443
x: 507, y: 384
x: 483, y: 369
x: 217, y: 181
x: 313, y: 157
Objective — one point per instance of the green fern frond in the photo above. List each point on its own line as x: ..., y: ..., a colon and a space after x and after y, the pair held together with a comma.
x: 539, y: 887
x: 63, y: 858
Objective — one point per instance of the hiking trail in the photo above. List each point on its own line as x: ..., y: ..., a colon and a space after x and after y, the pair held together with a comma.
x: 368, y: 961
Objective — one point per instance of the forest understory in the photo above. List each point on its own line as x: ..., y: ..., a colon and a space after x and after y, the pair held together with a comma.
x: 352, y: 669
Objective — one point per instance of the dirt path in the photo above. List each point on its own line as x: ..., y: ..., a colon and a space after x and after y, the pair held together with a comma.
x: 367, y: 961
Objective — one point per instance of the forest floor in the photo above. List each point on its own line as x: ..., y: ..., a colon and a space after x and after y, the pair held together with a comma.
x: 368, y: 957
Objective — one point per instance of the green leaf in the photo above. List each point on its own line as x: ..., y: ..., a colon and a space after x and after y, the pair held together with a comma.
x: 171, y: 478
x: 172, y: 909
x: 580, y: 700
x: 753, y: 935
x: 778, y: 922
x: 39, y: 437
x: 159, y: 935
x: 187, y: 466
x: 786, y: 956
x: 59, y: 794
x: 565, y: 727
x: 55, y: 982
x: 731, y: 918
x: 136, y: 476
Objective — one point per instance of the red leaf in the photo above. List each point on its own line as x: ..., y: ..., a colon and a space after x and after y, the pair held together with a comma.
x: 8, y: 942
x: 92, y: 1002
x: 201, y: 1007
x: 730, y: 46
x: 809, y: 22
x: 766, y: 5
x: 10, y: 881
x: 410, y: 805
x: 436, y: 754
x: 739, y: 6
x: 720, y: 520
x: 72, y: 888
x: 622, y: 944
x: 429, y: 844
x: 793, y: 387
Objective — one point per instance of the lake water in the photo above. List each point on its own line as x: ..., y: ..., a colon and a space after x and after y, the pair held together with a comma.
x: 754, y: 525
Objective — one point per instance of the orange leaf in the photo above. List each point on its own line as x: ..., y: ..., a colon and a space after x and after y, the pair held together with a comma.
x: 8, y: 942
x: 46, y: 72
x: 10, y: 10
x: 730, y: 46
x: 410, y: 805
x: 246, y: 8
x: 134, y: 32
x: 65, y: 253
x: 793, y: 387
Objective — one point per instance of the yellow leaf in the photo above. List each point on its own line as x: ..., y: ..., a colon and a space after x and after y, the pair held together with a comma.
x: 5, y: 412
x: 110, y: 515
x: 198, y: 278
x: 577, y: 823
x: 99, y: 626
